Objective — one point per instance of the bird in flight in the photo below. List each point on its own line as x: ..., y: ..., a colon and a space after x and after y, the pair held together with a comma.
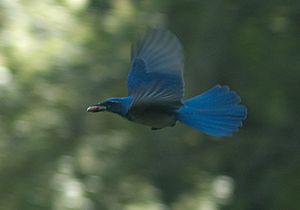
x: 156, y: 86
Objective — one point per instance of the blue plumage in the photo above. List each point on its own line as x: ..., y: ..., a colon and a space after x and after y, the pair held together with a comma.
x: 216, y: 112
x: 156, y: 86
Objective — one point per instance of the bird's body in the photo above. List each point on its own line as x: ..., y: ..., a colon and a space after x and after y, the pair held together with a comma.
x: 155, y: 116
x: 155, y: 91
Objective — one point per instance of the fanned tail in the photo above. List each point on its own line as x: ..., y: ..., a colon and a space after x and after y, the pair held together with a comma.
x: 216, y: 112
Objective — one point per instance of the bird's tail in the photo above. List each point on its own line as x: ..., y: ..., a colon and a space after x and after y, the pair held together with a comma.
x: 216, y: 112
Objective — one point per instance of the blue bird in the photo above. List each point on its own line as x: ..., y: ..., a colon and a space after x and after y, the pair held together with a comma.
x: 155, y: 90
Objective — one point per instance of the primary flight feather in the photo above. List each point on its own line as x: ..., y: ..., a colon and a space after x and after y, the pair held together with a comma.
x: 155, y: 90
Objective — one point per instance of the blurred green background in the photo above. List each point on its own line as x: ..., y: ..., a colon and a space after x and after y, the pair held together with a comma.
x: 59, y: 56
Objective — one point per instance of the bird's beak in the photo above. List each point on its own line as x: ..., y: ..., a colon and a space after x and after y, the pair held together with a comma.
x: 96, y: 108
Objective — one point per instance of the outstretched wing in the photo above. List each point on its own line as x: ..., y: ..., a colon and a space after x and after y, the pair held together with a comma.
x: 156, y: 73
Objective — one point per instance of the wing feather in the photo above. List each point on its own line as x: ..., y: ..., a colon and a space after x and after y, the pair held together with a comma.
x: 156, y: 73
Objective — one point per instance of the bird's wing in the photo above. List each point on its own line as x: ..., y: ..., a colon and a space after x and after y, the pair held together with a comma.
x: 156, y: 73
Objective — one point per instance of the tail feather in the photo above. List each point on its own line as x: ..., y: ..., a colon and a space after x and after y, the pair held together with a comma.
x: 216, y: 112
x: 216, y: 96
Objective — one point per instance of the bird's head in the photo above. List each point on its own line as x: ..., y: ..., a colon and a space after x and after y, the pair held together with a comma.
x: 115, y: 105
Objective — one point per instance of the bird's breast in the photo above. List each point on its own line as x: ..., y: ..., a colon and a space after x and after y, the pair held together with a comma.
x: 152, y: 116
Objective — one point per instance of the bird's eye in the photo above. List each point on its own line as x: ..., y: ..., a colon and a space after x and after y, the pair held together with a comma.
x: 110, y: 104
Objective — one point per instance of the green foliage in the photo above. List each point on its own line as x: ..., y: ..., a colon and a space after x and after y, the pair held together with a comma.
x: 59, y: 56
